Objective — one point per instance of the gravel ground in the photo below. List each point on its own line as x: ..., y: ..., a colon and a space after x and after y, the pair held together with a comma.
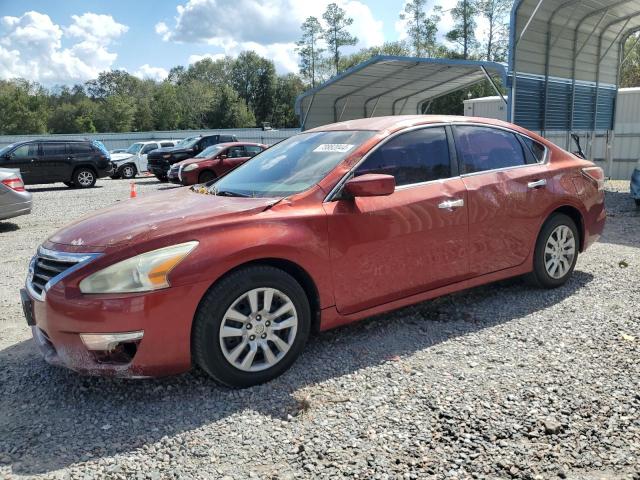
x: 502, y: 381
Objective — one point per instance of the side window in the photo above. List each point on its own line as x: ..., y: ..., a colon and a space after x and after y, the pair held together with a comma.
x: 208, y: 141
x: 252, y: 150
x: 166, y: 144
x: 413, y: 157
x: 486, y: 148
x: 49, y: 149
x: 25, y: 151
x: 80, y: 148
x: 227, y: 138
x: 148, y: 148
x: 536, y: 149
x: 235, y: 152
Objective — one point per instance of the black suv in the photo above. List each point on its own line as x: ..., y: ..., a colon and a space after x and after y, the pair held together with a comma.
x: 76, y: 163
x: 159, y: 161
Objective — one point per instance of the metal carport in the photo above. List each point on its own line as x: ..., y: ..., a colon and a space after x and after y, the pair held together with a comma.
x: 390, y: 85
x: 564, y: 64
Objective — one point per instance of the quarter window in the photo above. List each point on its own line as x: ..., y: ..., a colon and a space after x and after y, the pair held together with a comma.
x: 536, y: 149
x: 80, y: 148
x: 413, y: 157
x: 485, y: 148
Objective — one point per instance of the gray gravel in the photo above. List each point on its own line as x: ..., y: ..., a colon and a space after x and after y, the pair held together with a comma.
x: 502, y: 381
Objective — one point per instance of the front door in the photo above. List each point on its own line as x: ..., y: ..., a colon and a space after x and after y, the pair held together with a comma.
x: 386, y: 248
x: 24, y: 158
x: 507, y: 195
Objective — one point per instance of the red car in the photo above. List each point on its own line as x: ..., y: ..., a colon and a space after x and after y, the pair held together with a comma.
x: 213, y: 162
x: 323, y: 229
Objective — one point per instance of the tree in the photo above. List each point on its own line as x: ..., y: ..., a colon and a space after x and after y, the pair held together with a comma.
x: 229, y: 110
x: 116, y: 114
x: 336, y: 34
x: 24, y: 107
x: 166, y: 108
x: 463, y: 30
x: 495, y: 12
x: 630, y: 74
x: 254, y: 78
x: 288, y: 87
x: 421, y: 29
x: 399, y: 48
x: 308, y: 49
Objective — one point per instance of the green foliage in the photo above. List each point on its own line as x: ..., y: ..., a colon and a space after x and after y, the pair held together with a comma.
x: 390, y: 48
x: 308, y: 49
x: 463, y: 32
x: 422, y: 29
x: 630, y: 74
x: 336, y: 34
x: 24, y: 107
x: 254, y: 78
x: 496, y: 13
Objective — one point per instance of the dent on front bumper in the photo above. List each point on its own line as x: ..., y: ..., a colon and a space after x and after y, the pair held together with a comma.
x: 165, y: 317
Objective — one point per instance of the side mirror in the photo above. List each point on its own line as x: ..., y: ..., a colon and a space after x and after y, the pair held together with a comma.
x: 370, y: 185
x: 222, y: 156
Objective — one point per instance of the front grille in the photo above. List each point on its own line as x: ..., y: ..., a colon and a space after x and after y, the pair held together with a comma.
x: 49, y: 267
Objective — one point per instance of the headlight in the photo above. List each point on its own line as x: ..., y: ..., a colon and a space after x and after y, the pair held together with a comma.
x: 191, y: 166
x: 141, y: 273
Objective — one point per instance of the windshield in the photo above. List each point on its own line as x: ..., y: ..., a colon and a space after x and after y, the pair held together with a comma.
x: 135, y: 148
x: 188, y: 142
x: 209, y: 152
x: 291, y: 166
x: 5, y: 150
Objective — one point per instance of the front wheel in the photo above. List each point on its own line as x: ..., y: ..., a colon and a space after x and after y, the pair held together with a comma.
x: 251, y: 326
x: 84, y: 178
x: 556, y: 252
x: 128, y: 172
x: 206, y: 176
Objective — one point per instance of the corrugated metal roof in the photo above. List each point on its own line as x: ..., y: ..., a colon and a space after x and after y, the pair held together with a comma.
x: 389, y: 85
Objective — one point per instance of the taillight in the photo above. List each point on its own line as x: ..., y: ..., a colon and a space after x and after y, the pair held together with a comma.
x: 14, y: 183
x: 596, y: 175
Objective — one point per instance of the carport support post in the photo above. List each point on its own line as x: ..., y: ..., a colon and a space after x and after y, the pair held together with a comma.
x: 608, y: 155
x: 493, y: 84
x: 306, y: 114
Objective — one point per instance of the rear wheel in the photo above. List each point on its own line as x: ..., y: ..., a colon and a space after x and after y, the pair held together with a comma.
x: 128, y: 172
x: 206, y: 176
x: 556, y: 252
x: 251, y: 326
x: 84, y: 177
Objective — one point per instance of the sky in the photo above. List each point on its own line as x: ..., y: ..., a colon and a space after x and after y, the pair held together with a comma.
x: 59, y: 42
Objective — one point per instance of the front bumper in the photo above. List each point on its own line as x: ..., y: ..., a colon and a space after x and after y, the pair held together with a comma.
x: 164, y: 316
x: 635, y: 184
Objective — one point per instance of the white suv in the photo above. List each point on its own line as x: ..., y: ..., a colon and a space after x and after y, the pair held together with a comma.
x: 134, y: 160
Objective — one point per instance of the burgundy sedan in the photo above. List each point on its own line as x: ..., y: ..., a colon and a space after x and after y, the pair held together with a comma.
x: 213, y: 162
x: 325, y: 228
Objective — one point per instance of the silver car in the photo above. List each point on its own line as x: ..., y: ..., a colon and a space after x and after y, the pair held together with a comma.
x: 14, y: 199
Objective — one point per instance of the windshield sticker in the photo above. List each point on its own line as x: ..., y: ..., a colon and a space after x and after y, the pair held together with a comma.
x: 334, y: 147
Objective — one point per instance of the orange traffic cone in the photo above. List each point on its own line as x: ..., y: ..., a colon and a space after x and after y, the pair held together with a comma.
x: 133, y: 193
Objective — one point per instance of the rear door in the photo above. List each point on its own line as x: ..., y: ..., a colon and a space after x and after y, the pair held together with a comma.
x: 507, y: 195
x: 386, y: 248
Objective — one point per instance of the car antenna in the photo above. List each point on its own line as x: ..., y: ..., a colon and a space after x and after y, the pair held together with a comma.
x: 576, y: 139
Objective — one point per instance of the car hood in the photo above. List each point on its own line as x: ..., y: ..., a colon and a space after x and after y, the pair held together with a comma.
x: 152, y: 216
x: 115, y: 157
x: 191, y: 160
x: 160, y: 151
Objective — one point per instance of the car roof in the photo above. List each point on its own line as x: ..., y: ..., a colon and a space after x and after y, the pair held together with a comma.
x: 398, y: 122
x: 239, y: 144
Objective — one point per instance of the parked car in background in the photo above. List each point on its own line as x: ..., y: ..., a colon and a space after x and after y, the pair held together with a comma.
x: 14, y: 199
x: 76, y: 163
x: 134, y: 159
x: 160, y: 160
x: 213, y: 162
x: 322, y: 229
x: 635, y: 185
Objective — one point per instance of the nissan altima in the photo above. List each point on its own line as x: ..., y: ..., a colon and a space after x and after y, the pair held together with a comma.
x: 325, y: 228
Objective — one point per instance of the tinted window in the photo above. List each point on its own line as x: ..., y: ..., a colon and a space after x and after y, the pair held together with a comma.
x: 80, y: 148
x: 536, y: 149
x: 227, y: 138
x: 148, y: 148
x: 484, y: 148
x: 25, y: 151
x: 208, y: 141
x: 252, y: 150
x: 166, y: 144
x: 235, y: 152
x: 49, y: 149
x: 413, y: 157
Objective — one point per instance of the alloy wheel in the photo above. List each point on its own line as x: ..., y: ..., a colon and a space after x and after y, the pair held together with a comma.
x: 85, y: 178
x: 258, y: 329
x: 559, y: 252
x: 127, y: 172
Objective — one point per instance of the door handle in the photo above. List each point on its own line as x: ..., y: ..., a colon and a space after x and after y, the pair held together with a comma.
x: 451, y: 204
x: 537, y: 184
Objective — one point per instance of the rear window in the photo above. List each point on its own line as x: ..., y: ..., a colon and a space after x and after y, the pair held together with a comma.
x: 166, y: 144
x: 80, y: 148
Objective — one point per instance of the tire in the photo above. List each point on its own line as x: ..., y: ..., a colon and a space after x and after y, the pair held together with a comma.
x: 128, y: 172
x: 206, y: 176
x: 637, y: 200
x: 84, y: 177
x: 214, y: 353
x: 115, y: 177
x: 553, y: 266
x: 70, y: 184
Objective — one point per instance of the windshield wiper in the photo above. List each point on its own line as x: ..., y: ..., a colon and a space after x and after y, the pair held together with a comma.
x: 228, y: 193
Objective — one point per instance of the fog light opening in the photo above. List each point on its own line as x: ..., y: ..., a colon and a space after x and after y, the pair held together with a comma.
x: 112, y: 348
